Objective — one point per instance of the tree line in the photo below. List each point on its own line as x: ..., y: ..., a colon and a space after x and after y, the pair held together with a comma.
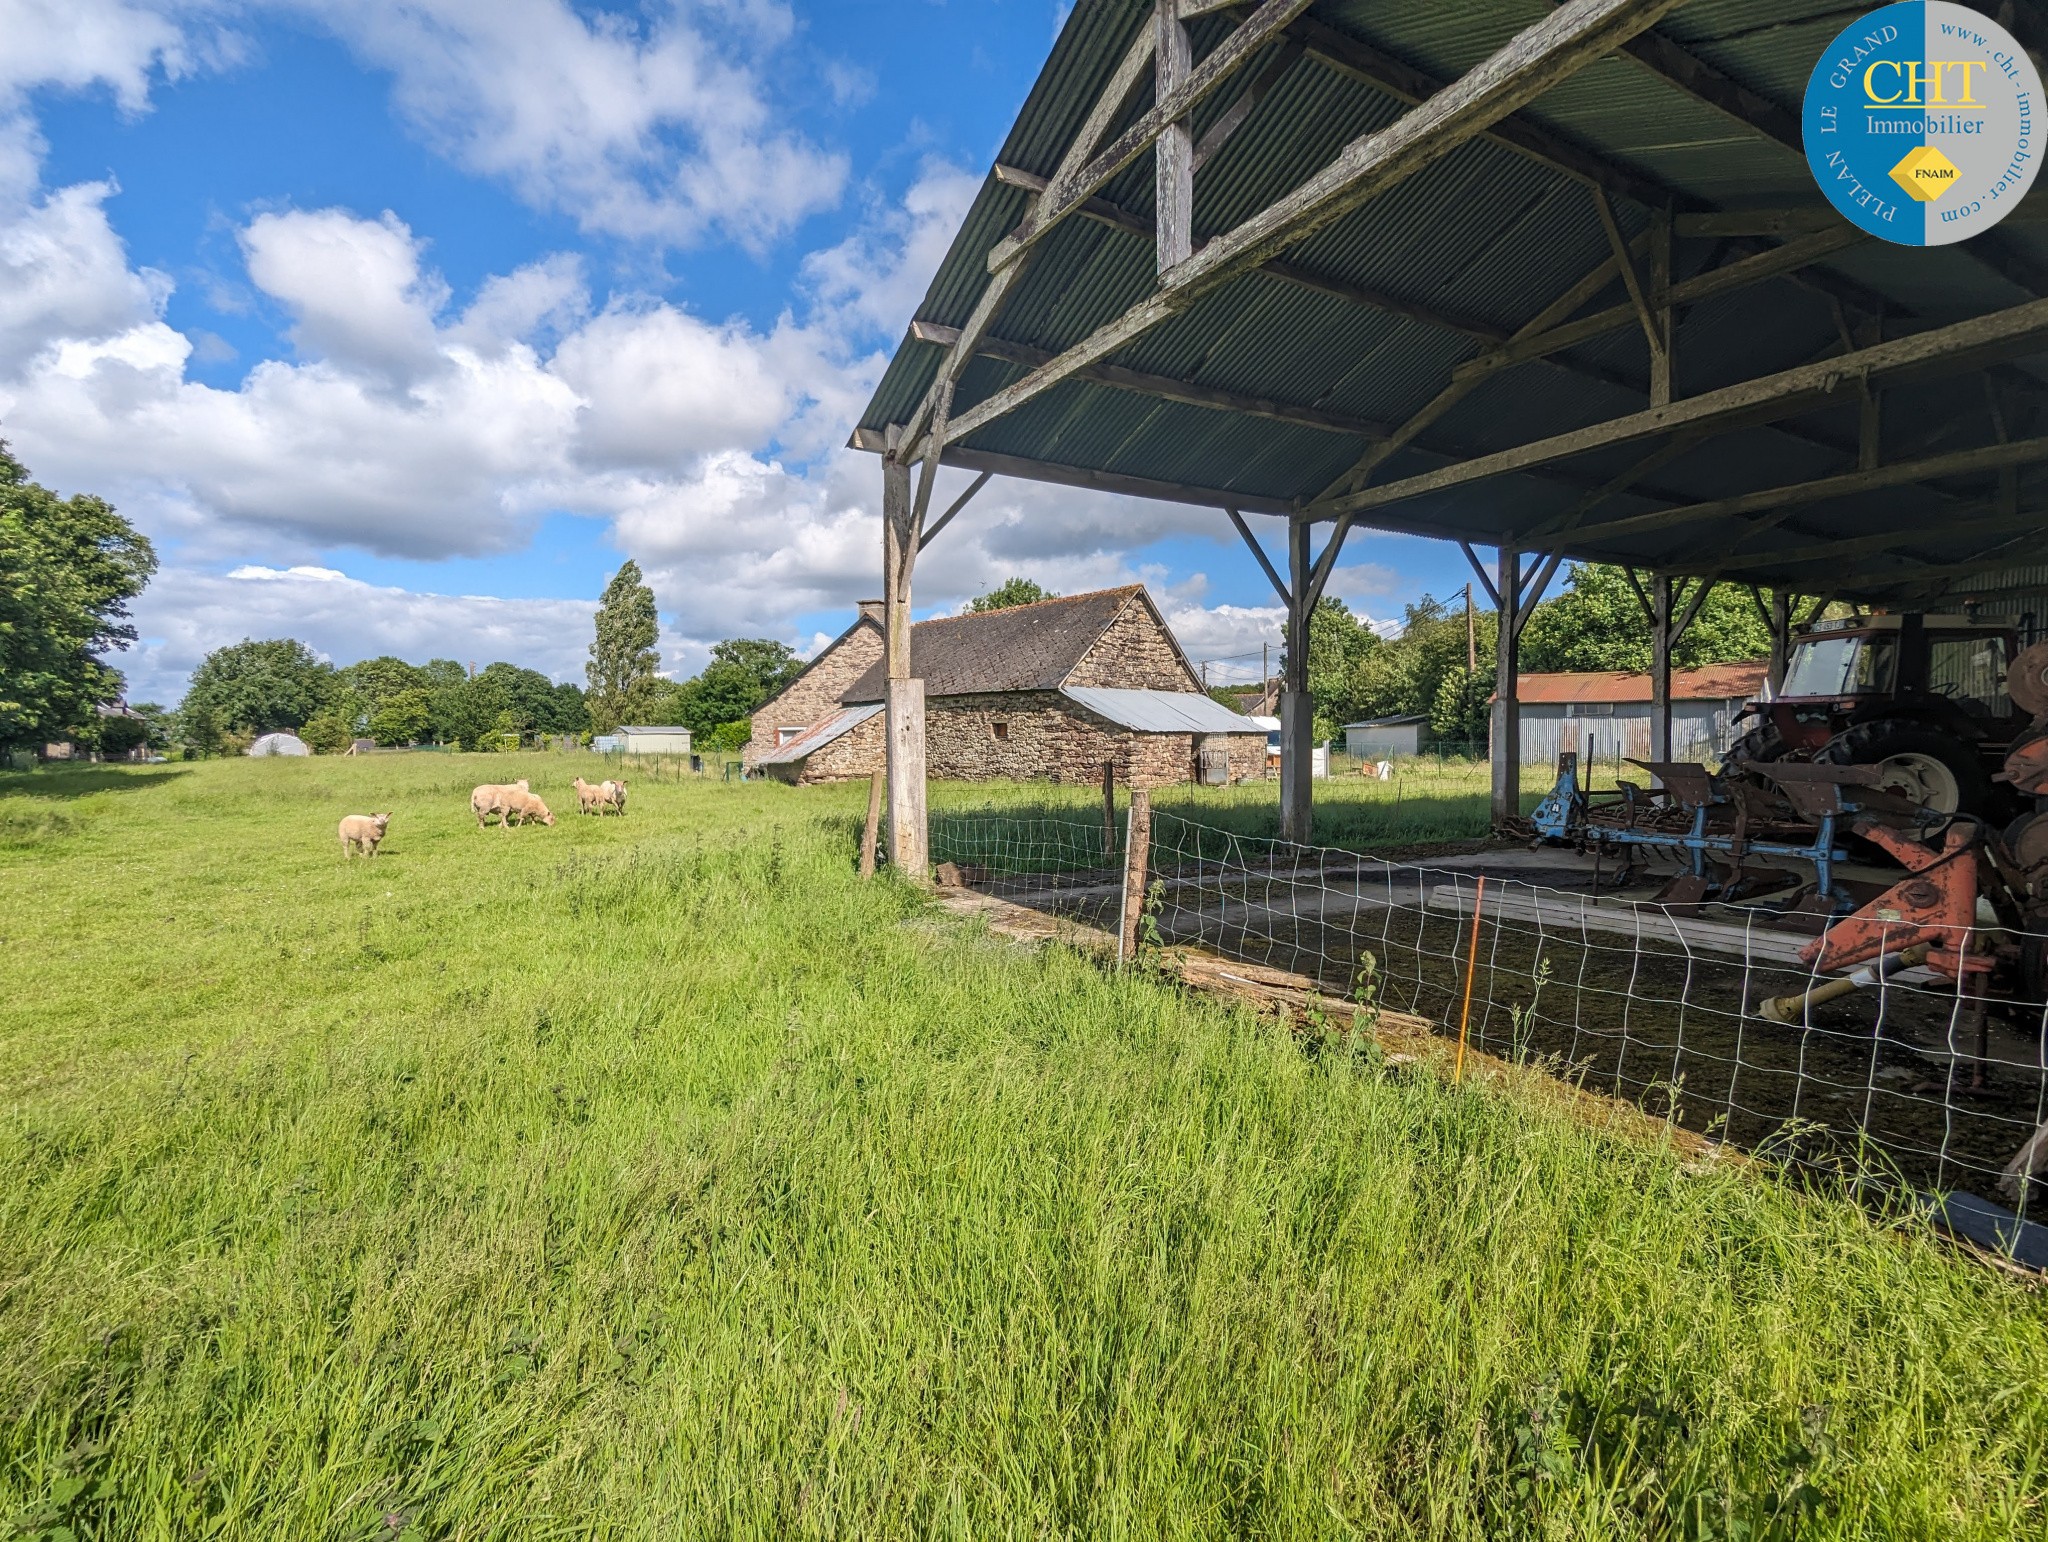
x: 1440, y: 667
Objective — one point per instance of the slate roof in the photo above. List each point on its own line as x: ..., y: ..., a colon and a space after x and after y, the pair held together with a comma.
x: 1019, y: 648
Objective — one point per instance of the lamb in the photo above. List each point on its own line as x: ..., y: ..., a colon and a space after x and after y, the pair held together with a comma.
x: 493, y: 798
x: 615, y: 796
x: 587, y: 797
x: 522, y: 806
x: 363, y: 832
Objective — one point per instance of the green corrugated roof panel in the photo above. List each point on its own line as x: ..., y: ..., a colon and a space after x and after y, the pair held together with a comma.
x: 1485, y: 235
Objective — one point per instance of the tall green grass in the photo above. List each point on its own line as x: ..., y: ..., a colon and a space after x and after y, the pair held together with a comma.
x: 656, y: 1178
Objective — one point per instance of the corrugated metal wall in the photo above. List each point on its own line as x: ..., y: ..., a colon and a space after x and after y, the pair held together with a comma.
x: 1700, y: 730
x: 2018, y: 591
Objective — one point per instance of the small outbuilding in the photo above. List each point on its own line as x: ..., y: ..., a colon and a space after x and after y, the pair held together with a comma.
x: 279, y: 744
x: 1031, y: 692
x: 1382, y: 738
x: 654, y: 741
x: 1608, y: 713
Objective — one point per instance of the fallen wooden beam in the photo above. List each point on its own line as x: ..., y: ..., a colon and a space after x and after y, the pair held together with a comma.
x: 1296, y: 1000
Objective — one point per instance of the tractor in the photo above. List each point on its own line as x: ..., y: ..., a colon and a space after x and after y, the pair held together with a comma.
x: 1921, y: 698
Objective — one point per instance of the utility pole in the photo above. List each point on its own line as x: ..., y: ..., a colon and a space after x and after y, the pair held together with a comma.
x: 1265, y: 675
x: 1471, y: 635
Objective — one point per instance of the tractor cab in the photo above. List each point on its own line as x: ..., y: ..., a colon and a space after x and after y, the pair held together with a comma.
x: 1921, y: 697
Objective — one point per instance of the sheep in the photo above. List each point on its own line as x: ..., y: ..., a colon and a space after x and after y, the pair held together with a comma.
x: 615, y: 796
x: 492, y: 798
x: 587, y: 797
x: 523, y: 806
x: 363, y: 832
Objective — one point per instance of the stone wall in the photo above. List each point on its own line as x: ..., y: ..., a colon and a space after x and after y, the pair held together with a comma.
x: 857, y: 753
x: 1047, y: 737
x: 1136, y: 653
x: 815, y: 694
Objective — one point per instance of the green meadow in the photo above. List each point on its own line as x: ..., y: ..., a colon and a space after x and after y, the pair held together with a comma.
x: 655, y: 1177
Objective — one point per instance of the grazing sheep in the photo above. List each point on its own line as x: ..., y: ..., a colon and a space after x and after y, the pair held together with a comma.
x: 522, y: 806
x: 493, y: 798
x: 615, y: 796
x: 587, y: 796
x: 363, y: 832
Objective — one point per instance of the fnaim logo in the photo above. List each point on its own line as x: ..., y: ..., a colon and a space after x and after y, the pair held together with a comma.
x: 1923, y: 123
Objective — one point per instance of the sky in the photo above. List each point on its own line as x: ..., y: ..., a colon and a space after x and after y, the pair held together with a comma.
x: 397, y: 325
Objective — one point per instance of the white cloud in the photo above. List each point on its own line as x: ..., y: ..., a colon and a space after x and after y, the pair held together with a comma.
x: 660, y: 131
x: 354, y: 287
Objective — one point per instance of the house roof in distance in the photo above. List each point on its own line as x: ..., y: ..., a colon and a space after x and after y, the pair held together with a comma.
x: 820, y: 734
x: 1161, y: 712
x: 1019, y: 648
x: 1715, y: 682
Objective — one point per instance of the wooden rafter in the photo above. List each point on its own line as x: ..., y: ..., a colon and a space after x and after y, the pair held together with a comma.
x: 1967, y: 344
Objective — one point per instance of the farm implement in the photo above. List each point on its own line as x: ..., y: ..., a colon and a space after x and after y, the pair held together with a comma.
x: 1972, y: 905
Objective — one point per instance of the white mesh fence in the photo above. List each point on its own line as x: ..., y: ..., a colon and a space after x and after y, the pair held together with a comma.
x: 1917, y: 1083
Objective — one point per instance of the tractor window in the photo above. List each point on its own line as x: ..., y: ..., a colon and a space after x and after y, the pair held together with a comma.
x: 1969, y: 670
x: 1842, y: 666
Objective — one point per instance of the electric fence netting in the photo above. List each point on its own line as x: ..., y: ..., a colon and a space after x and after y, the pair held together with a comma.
x: 1905, y: 1082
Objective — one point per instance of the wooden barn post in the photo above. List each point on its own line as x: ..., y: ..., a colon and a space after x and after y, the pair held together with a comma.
x: 1297, y: 706
x: 909, y: 841
x: 1507, y: 688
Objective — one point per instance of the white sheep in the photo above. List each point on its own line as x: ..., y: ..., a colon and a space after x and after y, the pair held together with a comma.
x: 587, y: 796
x: 363, y: 832
x: 493, y: 798
x: 615, y: 796
x: 520, y: 806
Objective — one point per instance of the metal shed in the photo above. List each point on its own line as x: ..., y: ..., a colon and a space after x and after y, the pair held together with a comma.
x: 1552, y: 279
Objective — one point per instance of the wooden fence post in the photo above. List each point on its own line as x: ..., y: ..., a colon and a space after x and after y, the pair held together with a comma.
x: 1137, y: 852
x: 1108, y: 810
x: 869, y: 835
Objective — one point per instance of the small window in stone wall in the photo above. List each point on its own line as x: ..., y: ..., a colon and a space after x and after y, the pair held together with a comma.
x: 1002, y: 731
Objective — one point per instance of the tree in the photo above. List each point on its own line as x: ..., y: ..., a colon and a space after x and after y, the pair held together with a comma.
x: 403, y: 718
x: 724, y: 693
x: 530, y: 698
x: 622, y: 657
x: 158, y: 723
x: 373, y: 682
x: 121, y: 736
x: 328, y: 732
x: 469, y: 714
x: 1011, y: 591
x: 571, y: 716
x: 68, y: 567
x: 1598, y: 623
x: 201, y: 730
x: 1422, y: 671
x: 772, y: 664
x: 258, y: 687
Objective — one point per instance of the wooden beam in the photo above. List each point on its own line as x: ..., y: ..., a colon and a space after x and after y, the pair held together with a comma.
x: 966, y: 459
x: 1530, y: 64
x: 1625, y: 262
x: 1821, y: 489
x: 1485, y: 578
x: 1955, y: 524
x: 1233, y: 117
x: 1774, y: 263
x: 1165, y: 387
x: 1174, y: 154
x: 1265, y: 563
x: 1390, y: 76
x: 955, y: 507
x: 1967, y: 344
x: 1119, y: 218
x: 1108, y: 107
x: 1066, y: 192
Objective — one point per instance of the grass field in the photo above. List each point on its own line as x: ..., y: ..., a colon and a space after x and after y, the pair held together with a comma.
x: 655, y: 1178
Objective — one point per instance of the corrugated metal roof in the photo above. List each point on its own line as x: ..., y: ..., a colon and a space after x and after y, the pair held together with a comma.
x: 1161, y: 712
x: 1488, y: 236
x: 819, y: 734
x: 1716, y: 682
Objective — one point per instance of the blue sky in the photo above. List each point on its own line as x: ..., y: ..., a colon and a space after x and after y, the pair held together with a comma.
x: 397, y: 324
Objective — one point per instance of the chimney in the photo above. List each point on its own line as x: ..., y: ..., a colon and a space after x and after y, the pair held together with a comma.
x: 875, y: 611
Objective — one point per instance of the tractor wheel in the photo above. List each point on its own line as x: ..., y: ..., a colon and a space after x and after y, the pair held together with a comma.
x: 1760, y: 746
x: 1917, y: 761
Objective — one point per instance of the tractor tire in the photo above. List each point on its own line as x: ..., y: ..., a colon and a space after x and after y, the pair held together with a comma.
x: 1760, y: 746
x: 1934, y: 769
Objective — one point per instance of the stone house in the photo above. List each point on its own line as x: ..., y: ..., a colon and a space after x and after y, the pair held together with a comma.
x: 1032, y: 692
